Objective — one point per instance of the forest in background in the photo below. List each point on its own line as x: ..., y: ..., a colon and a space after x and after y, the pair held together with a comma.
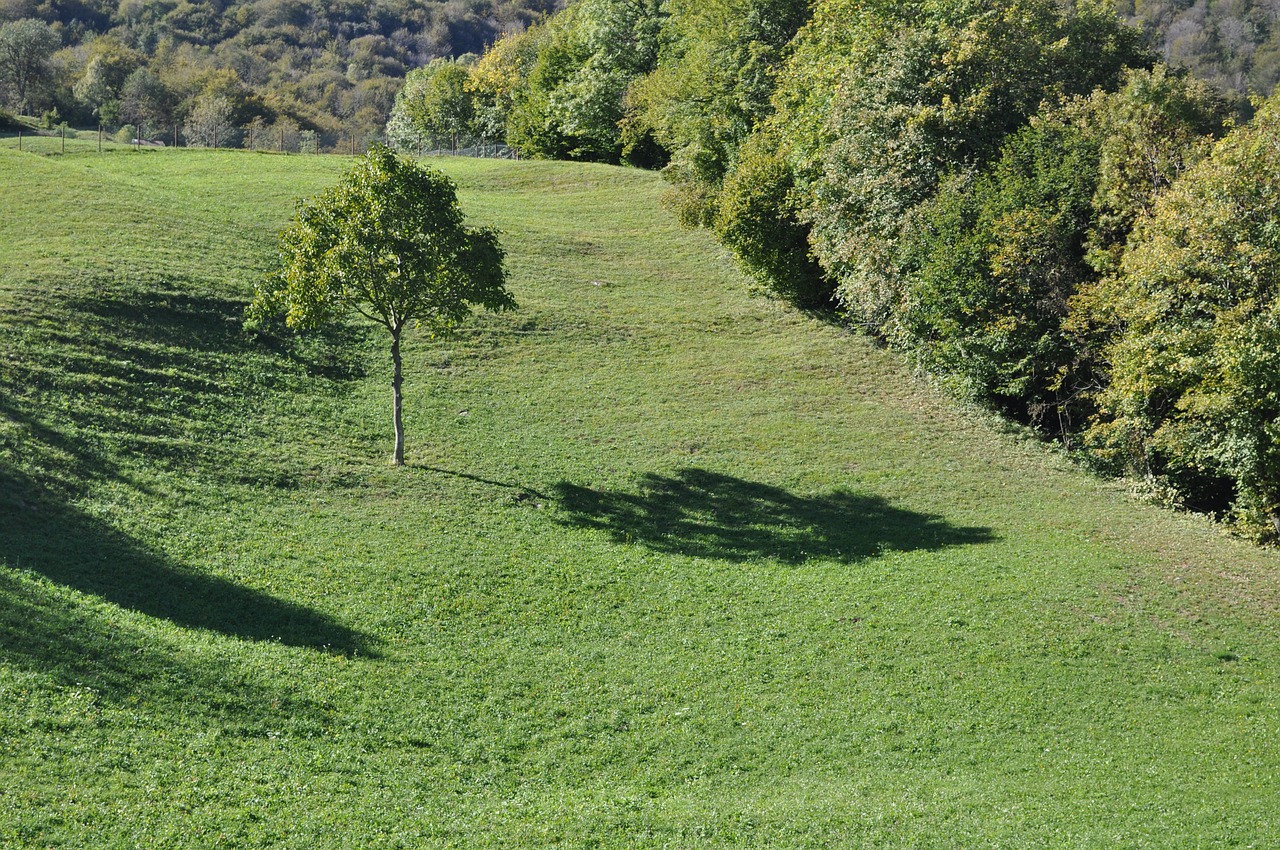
x: 250, y: 69
x: 1234, y: 44
x: 333, y: 68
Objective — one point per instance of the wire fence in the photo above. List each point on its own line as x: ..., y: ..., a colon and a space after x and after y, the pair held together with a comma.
x: 57, y: 140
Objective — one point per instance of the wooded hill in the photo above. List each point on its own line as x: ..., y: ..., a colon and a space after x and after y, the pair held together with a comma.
x: 335, y: 67
x: 324, y: 65
x: 1234, y: 44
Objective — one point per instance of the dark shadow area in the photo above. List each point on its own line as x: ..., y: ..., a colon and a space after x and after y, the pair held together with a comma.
x: 711, y: 515
x: 152, y: 373
x: 75, y: 645
x: 192, y: 326
x: 47, y: 536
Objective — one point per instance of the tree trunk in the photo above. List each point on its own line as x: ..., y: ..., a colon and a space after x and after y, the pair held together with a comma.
x: 397, y: 455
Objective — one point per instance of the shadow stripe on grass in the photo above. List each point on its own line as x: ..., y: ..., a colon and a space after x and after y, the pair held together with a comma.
x: 40, y: 533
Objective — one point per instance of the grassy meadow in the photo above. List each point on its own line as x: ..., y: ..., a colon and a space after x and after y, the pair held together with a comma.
x: 669, y: 566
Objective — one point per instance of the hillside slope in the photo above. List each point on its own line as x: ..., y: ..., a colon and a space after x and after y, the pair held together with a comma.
x: 669, y: 566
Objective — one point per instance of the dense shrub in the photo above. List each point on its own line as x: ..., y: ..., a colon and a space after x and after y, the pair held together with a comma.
x: 712, y: 87
x: 1194, y: 390
x: 933, y: 91
x: 1011, y: 293
x: 999, y: 256
x: 756, y: 220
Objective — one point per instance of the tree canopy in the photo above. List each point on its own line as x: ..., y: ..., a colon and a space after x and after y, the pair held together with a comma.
x: 1194, y: 390
x: 25, y: 48
x: 435, y: 106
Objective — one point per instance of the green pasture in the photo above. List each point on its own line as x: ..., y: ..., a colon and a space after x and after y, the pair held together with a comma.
x: 52, y: 142
x: 669, y: 566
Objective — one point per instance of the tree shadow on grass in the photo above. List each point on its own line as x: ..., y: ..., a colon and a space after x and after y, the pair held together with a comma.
x: 95, y: 388
x: 74, y: 643
x: 101, y: 380
x: 711, y: 515
x: 522, y: 492
x: 45, y: 535
x: 136, y: 372
x: 184, y: 328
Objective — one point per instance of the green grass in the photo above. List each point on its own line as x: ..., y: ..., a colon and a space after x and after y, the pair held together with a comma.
x: 671, y: 566
x: 52, y: 143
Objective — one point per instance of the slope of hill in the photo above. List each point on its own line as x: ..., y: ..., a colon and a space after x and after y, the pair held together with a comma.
x: 670, y: 565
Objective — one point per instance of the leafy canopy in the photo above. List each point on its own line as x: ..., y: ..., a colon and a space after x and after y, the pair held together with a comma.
x: 436, y: 103
x: 387, y: 242
x: 25, y: 46
x: 1195, y: 380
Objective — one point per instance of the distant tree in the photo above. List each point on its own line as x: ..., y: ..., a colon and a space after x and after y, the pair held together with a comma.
x: 109, y: 65
x: 573, y: 101
x: 257, y: 135
x: 1000, y: 255
x: 387, y: 243
x: 244, y: 103
x: 209, y: 124
x: 435, y: 103
x: 15, y: 10
x: 495, y: 79
x: 930, y: 89
x: 25, y: 47
x: 755, y: 217
x: 146, y: 101
x: 286, y: 135
x: 875, y: 107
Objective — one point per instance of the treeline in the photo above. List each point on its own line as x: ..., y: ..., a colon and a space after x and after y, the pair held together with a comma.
x: 1019, y: 194
x: 559, y: 89
x: 281, y: 66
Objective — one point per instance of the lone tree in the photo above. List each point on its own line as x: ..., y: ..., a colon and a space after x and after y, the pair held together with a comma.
x: 388, y: 243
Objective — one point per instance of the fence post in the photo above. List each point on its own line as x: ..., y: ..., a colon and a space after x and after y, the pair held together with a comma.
x: 99, y: 138
x: 64, y: 139
x: 19, y: 140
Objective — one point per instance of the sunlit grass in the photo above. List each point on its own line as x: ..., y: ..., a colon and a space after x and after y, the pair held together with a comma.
x: 669, y: 566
